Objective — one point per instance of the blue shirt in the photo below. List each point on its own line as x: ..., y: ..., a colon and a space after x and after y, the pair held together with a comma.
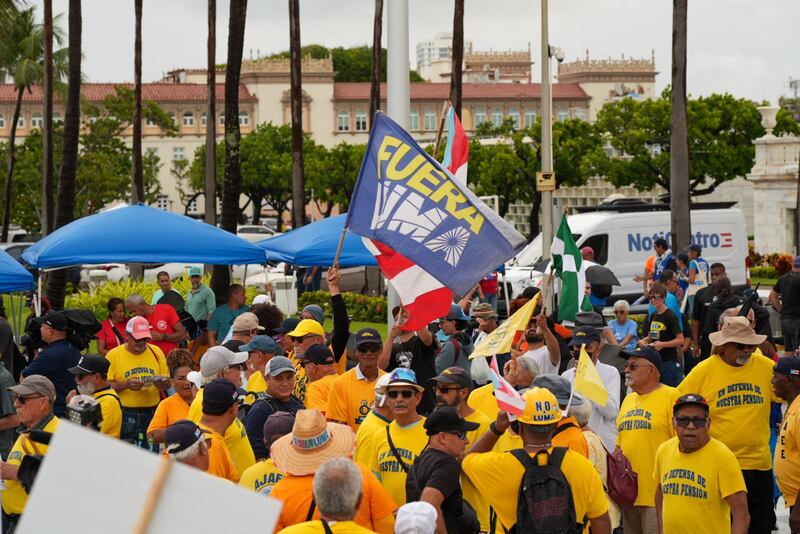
x: 622, y: 330
x: 673, y: 304
x: 54, y: 363
x: 700, y: 266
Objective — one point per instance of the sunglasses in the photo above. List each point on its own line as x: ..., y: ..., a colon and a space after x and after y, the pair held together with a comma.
x: 619, y: 312
x: 635, y: 366
x: 23, y: 400
x: 742, y: 346
x: 369, y: 347
x: 656, y: 297
x: 459, y: 434
x: 300, y: 339
x: 448, y: 390
x: 405, y: 393
x: 696, y: 422
x: 239, y: 366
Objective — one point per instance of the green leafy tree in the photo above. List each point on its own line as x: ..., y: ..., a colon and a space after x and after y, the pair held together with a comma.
x: 332, y: 175
x: 352, y: 64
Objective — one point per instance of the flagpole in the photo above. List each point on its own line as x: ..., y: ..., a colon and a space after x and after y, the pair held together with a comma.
x: 339, y: 248
x: 436, y: 144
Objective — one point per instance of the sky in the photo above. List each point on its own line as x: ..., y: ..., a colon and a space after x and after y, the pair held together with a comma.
x: 748, y: 48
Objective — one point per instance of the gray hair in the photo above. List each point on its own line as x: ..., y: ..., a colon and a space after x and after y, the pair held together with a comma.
x: 135, y: 299
x: 205, y: 380
x: 582, y: 412
x: 337, y: 489
x: 529, y: 364
x: 622, y: 305
x: 189, y: 452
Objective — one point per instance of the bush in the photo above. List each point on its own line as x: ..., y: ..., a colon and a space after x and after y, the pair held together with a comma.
x: 763, y: 272
x: 781, y: 262
x: 359, y: 307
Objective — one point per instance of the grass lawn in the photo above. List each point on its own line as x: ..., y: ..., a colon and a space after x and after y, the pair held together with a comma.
x: 355, y: 326
x: 766, y: 283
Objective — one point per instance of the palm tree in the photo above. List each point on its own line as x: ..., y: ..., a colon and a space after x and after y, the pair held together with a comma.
x: 22, y: 56
x: 458, y: 56
x: 375, y: 79
x: 298, y: 180
x: 679, y: 143
x: 211, y: 122
x: 65, y: 203
x: 137, y: 189
x: 47, y: 129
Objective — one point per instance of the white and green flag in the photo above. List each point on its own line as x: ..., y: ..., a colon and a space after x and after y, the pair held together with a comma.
x: 570, y: 268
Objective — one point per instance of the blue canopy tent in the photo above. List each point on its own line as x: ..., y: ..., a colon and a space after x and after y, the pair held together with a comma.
x: 140, y: 234
x: 13, y: 276
x: 314, y: 245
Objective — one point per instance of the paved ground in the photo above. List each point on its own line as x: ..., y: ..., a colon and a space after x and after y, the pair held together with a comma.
x: 783, y: 518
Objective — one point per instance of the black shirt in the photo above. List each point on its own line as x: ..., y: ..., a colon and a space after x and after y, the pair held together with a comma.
x: 233, y: 345
x: 420, y: 358
x: 438, y: 470
x: 788, y: 287
x: 258, y: 415
x: 54, y: 363
x: 664, y: 327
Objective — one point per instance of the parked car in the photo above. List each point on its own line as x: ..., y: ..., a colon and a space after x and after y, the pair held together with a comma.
x: 254, y: 232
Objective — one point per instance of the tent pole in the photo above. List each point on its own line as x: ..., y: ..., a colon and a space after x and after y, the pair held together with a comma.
x: 19, y: 317
x: 38, y: 300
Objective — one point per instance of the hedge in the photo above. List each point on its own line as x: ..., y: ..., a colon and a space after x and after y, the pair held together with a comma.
x: 359, y: 307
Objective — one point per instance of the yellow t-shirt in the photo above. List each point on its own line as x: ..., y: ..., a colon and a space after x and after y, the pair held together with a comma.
x: 169, y: 410
x: 235, y: 436
x: 471, y: 494
x: 739, y: 399
x: 126, y: 365
x: 365, y: 446
x: 300, y: 378
x: 261, y: 477
x: 498, y: 475
x: 317, y: 393
x: 409, y: 442
x: 220, y: 463
x: 257, y: 384
x: 14, y: 496
x: 643, y: 424
x: 787, y: 454
x: 695, y: 485
x: 351, y: 398
x: 482, y: 399
x: 312, y: 527
x: 111, y: 410
x: 571, y: 438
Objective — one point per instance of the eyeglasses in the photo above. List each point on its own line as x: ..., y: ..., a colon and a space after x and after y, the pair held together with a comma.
x: 23, y: 400
x: 238, y: 366
x: 369, y: 347
x: 619, y: 312
x: 656, y: 297
x: 405, y: 393
x: 696, y: 422
x: 634, y: 366
x: 458, y: 433
x: 742, y: 346
x: 448, y: 390
x: 301, y: 338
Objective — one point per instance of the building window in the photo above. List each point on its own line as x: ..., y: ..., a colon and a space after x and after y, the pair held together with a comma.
x: 192, y: 208
x: 172, y: 117
x: 580, y: 113
x: 414, y: 122
x: 2, y: 121
x: 188, y: 119
x: 244, y: 118
x: 36, y: 120
x: 480, y: 117
x: 178, y: 153
x: 444, y: 52
x: 430, y: 120
x: 497, y: 118
x: 530, y: 118
x: 344, y: 121
x: 150, y: 122
x: 361, y: 121
x: 57, y: 118
x: 514, y: 115
x: 21, y: 122
x: 222, y: 120
x: 563, y: 115
x: 162, y: 202
x: 203, y: 119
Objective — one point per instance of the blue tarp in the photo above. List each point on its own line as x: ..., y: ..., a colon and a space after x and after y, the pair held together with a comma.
x: 315, y: 245
x: 13, y: 276
x: 140, y: 234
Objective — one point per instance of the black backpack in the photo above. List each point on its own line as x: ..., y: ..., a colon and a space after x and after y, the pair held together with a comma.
x: 544, y: 503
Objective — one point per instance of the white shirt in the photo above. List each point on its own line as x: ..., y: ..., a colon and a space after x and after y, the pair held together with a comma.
x: 604, y: 418
x: 542, y: 357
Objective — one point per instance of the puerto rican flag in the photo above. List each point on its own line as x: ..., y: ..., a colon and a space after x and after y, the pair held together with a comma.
x: 508, y: 399
x: 456, y: 153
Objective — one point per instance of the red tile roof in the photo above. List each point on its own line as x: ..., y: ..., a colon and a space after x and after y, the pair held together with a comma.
x: 158, y: 92
x: 471, y: 91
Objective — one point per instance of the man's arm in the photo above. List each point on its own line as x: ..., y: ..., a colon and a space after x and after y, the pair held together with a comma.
x: 600, y: 524
x: 740, y: 516
x: 659, y: 508
x: 775, y: 299
x: 435, y: 497
x: 9, y: 421
x: 341, y: 322
x: 553, y: 350
x: 385, y: 357
x: 179, y: 333
x: 488, y: 440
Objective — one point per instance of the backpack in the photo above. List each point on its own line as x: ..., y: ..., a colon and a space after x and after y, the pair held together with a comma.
x: 544, y: 503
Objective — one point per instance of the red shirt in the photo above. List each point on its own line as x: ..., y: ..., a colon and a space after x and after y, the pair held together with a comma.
x: 163, y: 320
x: 489, y: 284
x: 107, y: 334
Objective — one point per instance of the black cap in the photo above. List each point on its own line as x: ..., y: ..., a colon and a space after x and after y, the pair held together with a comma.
x: 56, y: 320
x: 91, y: 364
x: 454, y: 375
x: 218, y: 396
x: 648, y: 353
x: 367, y: 335
x: 694, y: 247
x: 319, y: 354
x: 288, y: 325
x: 446, y: 419
x: 277, y: 425
x: 690, y: 399
x: 181, y: 435
x: 530, y: 292
x: 788, y: 365
x: 584, y: 335
x: 589, y: 318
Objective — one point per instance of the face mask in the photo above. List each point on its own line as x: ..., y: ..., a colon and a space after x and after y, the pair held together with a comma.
x: 87, y: 389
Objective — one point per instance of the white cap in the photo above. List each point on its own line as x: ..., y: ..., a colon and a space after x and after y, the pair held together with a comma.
x: 195, y: 378
x: 380, y: 389
x: 219, y: 358
x: 415, y: 518
x: 262, y: 299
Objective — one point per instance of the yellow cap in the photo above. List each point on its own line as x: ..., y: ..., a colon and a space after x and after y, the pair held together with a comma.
x: 541, y: 408
x: 306, y: 327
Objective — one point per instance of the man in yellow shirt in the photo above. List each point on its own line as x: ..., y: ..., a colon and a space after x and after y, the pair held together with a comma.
x: 786, y: 385
x: 219, y: 412
x: 699, y: 486
x: 352, y: 394
x: 137, y: 372
x: 261, y: 350
x: 375, y: 423
x: 319, y: 363
x: 91, y: 379
x: 262, y: 476
x: 643, y: 424
x: 737, y: 385
x: 499, y: 475
x: 308, y: 332
x: 33, y: 399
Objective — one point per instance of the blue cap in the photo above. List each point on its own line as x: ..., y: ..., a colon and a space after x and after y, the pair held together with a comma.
x: 263, y: 344
x: 195, y: 271
x: 181, y: 435
x: 788, y: 365
x: 456, y: 314
x: 648, y: 353
x: 289, y: 324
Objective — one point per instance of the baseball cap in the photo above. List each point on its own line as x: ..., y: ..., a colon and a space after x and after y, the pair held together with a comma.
x: 694, y: 247
x: 404, y: 377
x: 587, y: 250
x: 35, y: 385
x: 91, y: 364
x: 195, y: 271
x: 689, y: 400
x: 219, y: 358
x: 455, y: 375
x: 289, y: 324
x: 380, y: 389
x: 456, y: 314
x: 246, y: 322
x: 446, y: 419
x: 319, y: 354
x: 788, y: 365
x: 484, y: 309
x: 56, y: 320
x: 263, y: 344
x: 648, y: 353
x: 278, y: 424
x: 306, y: 327
x: 279, y: 364
x: 181, y: 435
x: 589, y: 318
x: 530, y: 292
x: 261, y: 299
x: 138, y: 328
x: 418, y: 517
x: 584, y: 335
x: 559, y: 387
x: 367, y: 335
x: 541, y: 407
x: 218, y: 396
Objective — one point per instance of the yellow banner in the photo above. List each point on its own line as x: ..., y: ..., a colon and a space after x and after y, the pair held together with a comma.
x: 587, y: 380
x: 499, y: 341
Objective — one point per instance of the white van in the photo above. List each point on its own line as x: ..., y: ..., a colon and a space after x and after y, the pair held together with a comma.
x: 622, y: 238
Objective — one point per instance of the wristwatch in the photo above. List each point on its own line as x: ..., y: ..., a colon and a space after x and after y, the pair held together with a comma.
x: 494, y: 429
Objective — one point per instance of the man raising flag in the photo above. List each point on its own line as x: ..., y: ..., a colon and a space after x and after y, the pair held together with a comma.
x: 569, y: 267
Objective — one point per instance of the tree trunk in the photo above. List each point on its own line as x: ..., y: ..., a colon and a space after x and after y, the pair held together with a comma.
x: 458, y: 56
x: 298, y: 179
x: 257, y: 203
x: 47, y: 129
x: 679, y: 144
x: 65, y: 203
x: 11, y: 161
x: 211, y: 119
x: 137, y: 189
x: 232, y: 185
x: 533, y: 217
x: 375, y: 78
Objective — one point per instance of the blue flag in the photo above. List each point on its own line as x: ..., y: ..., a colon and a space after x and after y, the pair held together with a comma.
x: 406, y: 200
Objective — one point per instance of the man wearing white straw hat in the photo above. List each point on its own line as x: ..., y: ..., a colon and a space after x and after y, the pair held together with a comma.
x: 299, y: 455
x: 737, y: 385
